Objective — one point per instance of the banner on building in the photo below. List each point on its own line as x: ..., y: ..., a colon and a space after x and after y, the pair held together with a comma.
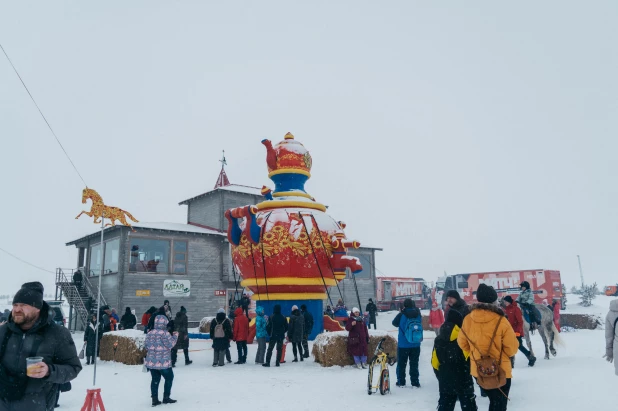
x: 220, y: 293
x: 176, y: 288
x: 142, y: 293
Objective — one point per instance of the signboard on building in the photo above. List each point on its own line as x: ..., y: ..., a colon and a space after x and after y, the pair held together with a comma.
x: 176, y: 288
x: 220, y: 293
x: 142, y: 293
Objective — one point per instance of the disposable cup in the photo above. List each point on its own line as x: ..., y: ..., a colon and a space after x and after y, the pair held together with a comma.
x: 31, y: 366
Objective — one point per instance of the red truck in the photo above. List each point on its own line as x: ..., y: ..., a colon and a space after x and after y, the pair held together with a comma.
x: 545, y: 285
x: 393, y: 290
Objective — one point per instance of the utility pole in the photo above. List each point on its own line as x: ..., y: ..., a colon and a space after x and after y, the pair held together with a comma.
x: 580, y: 271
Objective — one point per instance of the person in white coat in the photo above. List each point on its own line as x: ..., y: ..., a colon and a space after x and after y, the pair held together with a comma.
x: 611, y: 334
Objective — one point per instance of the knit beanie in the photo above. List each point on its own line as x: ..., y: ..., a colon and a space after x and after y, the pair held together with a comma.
x: 409, y: 303
x: 453, y: 294
x: 30, y: 294
x: 486, y: 294
x: 509, y: 299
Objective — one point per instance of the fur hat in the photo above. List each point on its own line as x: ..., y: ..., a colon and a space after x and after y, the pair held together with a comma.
x: 30, y: 294
x: 525, y: 284
x: 453, y: 294
x: 486, y: 294
x: 509, y: 299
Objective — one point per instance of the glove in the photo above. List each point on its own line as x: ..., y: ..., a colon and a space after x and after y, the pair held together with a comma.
x: 609, y: 355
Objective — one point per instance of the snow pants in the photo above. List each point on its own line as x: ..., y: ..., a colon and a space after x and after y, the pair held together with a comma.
x: 168, y: 374
x: 467, y: 401
x: 403, y: 354
x: 219, y: 357
x: 241, y: 347
x: 522, y: 348
x: 498, y: 400
x: 297, y: 346
x: 261, y: 351
x: 271, y: 346
x: 175, y: 355
x: 305, y: 345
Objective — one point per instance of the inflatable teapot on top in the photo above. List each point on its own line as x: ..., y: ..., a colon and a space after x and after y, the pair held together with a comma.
x: 287, y: 250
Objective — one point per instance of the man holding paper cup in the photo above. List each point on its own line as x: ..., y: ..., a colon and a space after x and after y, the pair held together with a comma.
x: 36, y: 354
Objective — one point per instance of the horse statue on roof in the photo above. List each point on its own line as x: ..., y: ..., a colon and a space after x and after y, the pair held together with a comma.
x: 100, y: 210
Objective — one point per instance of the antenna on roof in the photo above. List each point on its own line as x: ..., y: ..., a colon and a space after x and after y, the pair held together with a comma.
x: 222, y: 181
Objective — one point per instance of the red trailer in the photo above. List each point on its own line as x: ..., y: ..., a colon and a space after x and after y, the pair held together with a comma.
x: 393, y: 290
x: 545, y: 285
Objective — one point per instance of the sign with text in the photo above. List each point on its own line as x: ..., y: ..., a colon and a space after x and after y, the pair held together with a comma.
x: 220, y: 293
x: 176, y: 288
x: 142, y: 293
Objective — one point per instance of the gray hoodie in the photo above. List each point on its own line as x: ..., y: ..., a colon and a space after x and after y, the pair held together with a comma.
x: 611, y: 333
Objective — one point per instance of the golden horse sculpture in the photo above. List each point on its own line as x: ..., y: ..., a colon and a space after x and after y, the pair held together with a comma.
x: 100, y: 210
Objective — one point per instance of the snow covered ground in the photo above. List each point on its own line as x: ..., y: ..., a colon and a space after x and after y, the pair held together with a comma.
x: 578, y: 378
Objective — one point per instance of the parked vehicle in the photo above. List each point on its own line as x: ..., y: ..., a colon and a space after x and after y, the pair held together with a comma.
x: 611, y: 290
x: 393, y: 290
x: 545, y: 284
x: 59, y: 317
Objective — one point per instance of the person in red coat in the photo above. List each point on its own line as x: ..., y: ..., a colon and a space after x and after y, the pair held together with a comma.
x: 241, y: 334
x: 436, y: 318
x: 556, y: 309
x: 358, y: 338
x: 146, y: 318
x: 513, y: 313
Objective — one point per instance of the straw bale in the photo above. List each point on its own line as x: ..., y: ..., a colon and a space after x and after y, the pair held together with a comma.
x: 205, y: 324
x: 130, y: 349
x: 331, y: 348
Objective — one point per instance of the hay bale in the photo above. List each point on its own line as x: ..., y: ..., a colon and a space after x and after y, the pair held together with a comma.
x: 331, y: 348
x: 130, y: 349
x: 205, y: 324
x: 580, y: 321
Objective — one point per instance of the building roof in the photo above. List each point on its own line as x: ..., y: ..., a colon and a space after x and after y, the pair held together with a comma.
x: 162, y: 226
x: 232, y: 187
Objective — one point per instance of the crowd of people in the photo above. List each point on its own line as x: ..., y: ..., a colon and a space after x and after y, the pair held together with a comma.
x: 474, y: 343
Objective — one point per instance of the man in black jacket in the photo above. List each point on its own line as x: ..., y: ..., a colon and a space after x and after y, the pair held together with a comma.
x: 307, y: 330
x: 455, y: 302
x: 31, y: 332
x: 276, y: 328
x: 372, y: 309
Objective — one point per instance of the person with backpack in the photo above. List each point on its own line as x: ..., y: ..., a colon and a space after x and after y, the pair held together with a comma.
x: 159, y: 343
x: 221, y: 333
x: 276, y: 327
x: 611, y: 334
x: 307, y: 330
x: 181, y: 326
x: 410, y: 325
x: 436, y: 318
x: 296, y: 332
x: 372, y: 309
x: 260, y: 334
x: 358, y: 338
x: 491, y: 342
x: 452, y: 367
x: 513, y: 314
x: 241, y: 334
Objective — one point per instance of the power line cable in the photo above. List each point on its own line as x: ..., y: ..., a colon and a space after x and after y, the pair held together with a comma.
x: 42, y: 115
x: 26, y: 262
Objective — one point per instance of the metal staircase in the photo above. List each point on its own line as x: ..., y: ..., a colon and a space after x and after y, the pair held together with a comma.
x: 78, y: 298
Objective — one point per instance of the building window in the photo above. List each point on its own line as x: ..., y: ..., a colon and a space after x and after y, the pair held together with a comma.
x: 96, y: 259
x: 112, y: 250
x: 180, y: 257
x: 149, y: 256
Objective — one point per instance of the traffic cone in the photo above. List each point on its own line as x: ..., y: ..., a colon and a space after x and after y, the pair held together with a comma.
x: 93, y: 401
x: 282, y: 359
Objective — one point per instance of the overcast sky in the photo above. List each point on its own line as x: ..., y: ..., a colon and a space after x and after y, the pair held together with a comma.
x: 458, y: 136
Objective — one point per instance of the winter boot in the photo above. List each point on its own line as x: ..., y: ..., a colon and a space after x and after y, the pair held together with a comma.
x: 416, y: 384
x: 295, y: 359
x: 363, y: 365
x: 302, y: 358
x: 155, y: 401
x: 238, y: 362
x: 168, y: 400
x: 357, y: 365
x: 531, y: 361
x: 277, y: 364
x: 188, y: 362
x: 266, y: 364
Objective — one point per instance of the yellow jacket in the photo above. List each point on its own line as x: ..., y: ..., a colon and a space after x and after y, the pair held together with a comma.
x: 479, y: 326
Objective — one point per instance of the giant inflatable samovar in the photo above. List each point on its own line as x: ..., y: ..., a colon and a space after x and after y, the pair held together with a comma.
x: 287, y: 250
